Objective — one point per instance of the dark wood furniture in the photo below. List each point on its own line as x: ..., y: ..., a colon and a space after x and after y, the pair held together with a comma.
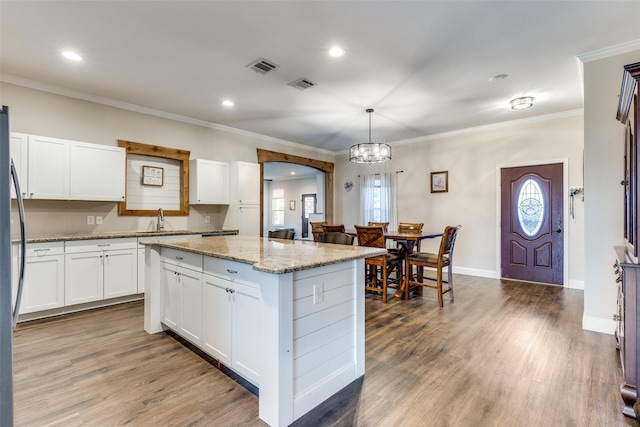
x: 443, y: 259
x: 316, y: 229
x: 379, y: 281
x: 333, y: 228
x: 626, y: 265
x: 337, y: 238
x: 282, y: 234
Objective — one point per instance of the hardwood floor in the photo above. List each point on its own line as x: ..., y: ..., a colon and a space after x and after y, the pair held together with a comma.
x: 504, y: 354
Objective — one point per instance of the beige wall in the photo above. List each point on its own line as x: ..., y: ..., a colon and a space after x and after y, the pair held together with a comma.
x: 42, y: 113
x: 472, y: 160
x: 604, y: 150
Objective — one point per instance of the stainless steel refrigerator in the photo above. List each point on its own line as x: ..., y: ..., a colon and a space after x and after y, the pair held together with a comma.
x: 8, y: 307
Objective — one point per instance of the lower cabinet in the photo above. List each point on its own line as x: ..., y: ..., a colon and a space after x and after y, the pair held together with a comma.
x: 44, y: 277
x: 100, y: 269
x: 231, y: 331
x: 182, y: 297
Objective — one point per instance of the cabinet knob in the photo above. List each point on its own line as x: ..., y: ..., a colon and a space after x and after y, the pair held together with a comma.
x: 179, y: 258
x: 229, y: 290
x: 619, y: 279
x: 230, y: 271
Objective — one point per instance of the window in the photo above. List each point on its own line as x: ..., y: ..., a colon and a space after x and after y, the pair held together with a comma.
x: 277, y: 206
x: 378, y: 199
x: 376, y: 213
x: 530, y: 207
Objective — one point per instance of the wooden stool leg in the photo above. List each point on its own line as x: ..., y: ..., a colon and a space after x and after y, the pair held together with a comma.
x: 439, y: 288
x: 384, y: 282
x: 450, y: 279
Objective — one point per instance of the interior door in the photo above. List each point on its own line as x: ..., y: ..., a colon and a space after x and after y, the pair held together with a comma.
x: 532, y: 232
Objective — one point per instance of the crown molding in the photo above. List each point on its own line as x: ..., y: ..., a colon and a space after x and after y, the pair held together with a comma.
x: 18, y: 81
x: 607, y: 52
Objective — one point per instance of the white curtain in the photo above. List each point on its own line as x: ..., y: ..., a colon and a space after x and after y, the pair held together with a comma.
x: 388, y: 205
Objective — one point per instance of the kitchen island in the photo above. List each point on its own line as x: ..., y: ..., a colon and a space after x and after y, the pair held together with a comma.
x: 286, y: 315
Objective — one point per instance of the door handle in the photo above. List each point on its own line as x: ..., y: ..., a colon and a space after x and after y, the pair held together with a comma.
x: 559, y: 230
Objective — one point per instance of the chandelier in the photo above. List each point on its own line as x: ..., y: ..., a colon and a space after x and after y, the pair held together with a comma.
x: 370, y: 152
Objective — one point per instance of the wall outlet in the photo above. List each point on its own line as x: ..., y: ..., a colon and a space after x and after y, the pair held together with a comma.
x: 318, y: 293
x: 91, y: 219
x: 98, y: 220
x: 207, y: 218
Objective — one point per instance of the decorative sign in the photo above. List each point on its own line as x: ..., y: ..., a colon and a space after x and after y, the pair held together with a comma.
x: 152, y: 175
x: 348, y: 185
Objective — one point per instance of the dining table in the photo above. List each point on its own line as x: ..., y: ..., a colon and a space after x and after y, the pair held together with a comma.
x: 408, y: 240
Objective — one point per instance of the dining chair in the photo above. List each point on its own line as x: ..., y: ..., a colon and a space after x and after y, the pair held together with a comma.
x: 333, y: 228
x: 376, y: 281
x: 282, y: 234
x: 444, y: 258
x: 384, y: 225
x: 316, y: 229
x: 337, y: 238
x: 411, y: 227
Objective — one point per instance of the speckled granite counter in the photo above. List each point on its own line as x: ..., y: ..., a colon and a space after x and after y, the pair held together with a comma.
x: 275, y: 256
x: 117, y: 235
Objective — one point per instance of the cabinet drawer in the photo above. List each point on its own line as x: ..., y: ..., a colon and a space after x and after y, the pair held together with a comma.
x: 232, y: 271
x: 182, y: 259
x: 43, y: 249
x: 76, y: 246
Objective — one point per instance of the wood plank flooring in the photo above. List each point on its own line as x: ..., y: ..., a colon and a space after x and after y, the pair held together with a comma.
x: 504, y: 354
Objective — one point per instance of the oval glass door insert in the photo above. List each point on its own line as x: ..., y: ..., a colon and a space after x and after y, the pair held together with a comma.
x: 530, y: 207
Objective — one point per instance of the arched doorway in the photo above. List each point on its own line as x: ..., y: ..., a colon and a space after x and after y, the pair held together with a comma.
x: 266, y: 156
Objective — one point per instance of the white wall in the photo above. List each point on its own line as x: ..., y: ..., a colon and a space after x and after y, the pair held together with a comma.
x: 472, y: 159
x: 43, y: 113
x: 293, y: 190
x: 604, y: 150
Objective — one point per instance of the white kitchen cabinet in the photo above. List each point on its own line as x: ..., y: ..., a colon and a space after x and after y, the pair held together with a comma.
x: 97, y: 172
x: 244, y: 179
x: 232, y: 307
x: 182, y: 294
x: 100, y: 269
x: 44, y: 277
x: 48, y: 168
x: 208, y: 182
x: 249, y: 220
x: 19, y: 153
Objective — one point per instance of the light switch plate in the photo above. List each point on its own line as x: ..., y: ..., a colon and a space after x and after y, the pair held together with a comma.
x: 91, y: 219
x: 98, y: 220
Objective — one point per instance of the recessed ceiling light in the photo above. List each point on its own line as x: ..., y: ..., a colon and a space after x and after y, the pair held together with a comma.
x: 227, y: 103
x: 498, y: 77
x: 336, y: 51
x: 293, y: 173
x: 72, y: 56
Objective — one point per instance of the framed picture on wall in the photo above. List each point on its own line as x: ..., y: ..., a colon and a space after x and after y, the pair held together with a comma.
x: 152, y: 175
x: 440, y: 182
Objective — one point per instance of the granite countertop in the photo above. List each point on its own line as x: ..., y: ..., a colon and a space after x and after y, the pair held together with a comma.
x: 275, y: 256
x: 115, y: 235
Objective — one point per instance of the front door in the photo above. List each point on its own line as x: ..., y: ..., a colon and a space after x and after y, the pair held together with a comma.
x: 309, y: 203
x: 532, y: 241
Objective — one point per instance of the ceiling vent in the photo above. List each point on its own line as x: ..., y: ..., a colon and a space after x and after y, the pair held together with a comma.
x: 262, y: 66
x: 302, y: 83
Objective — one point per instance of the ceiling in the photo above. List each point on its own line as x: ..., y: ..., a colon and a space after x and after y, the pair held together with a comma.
x: 424, y: 66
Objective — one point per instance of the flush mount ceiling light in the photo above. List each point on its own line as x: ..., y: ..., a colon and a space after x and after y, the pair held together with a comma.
x: 370, y: 152
x: 72, y: 55
x: 227, y: 103
x: 522, y: 103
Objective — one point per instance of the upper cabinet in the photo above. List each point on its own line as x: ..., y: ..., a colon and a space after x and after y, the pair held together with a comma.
x: 48, y: 168
x: 244, y: 183
x: 97, y: 172
x: 58, y: 169
x: 19, y: 154
x: 208, y: 182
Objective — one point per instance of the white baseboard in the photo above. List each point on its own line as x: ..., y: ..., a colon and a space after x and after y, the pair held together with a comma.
x: 575, y: 284
x: 489, y: 274
x: 597, y: 324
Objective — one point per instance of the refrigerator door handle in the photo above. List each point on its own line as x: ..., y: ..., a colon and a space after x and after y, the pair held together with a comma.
x: 23, y: 244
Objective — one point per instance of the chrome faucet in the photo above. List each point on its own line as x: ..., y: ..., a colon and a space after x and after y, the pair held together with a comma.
x: 160, y: 224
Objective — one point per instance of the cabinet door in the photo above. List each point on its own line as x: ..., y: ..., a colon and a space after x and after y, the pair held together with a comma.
x: 246, y: 331
x: 19, y: 154
x: 190, y: 326
x: 141, y: 268
x: 83, y: 278
x: 217, y: 304
x: 97, y: 172
x: 249, y: 220
x: 208, y: 182
x: 171, y: 295
x: 120, y: 273
x: 44, y: 283
x: 249, y: 183
x: 48, y: 168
